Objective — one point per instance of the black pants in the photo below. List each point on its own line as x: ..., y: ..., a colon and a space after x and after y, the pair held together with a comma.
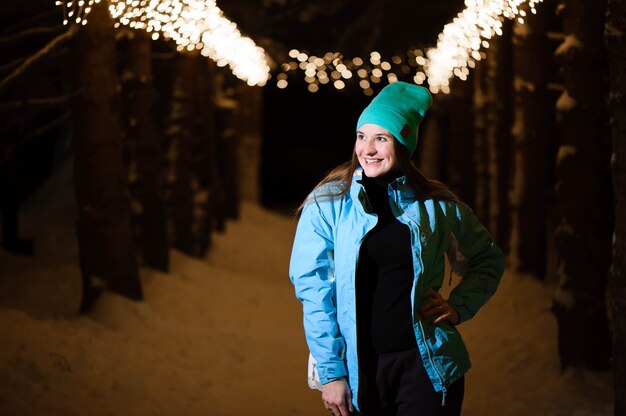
x: 397, y: 384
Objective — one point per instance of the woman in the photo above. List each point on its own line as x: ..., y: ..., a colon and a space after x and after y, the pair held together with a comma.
x: 367, y: 265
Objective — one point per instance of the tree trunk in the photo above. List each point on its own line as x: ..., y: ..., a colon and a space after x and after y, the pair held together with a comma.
x: 9, y: 209
x: 227, y: 132
x: 205, y: 167
x: 103, y: 227
x: 180, y: 155
x: 430, y: 142
x: 250, y: 128
x: 481, y: 102
x: 146, y: 154
x: 498, y: 135
x: 531, y: 138
x: 460, y: 163
x: 196, y: 204
x: 583, y: 234
x: 614, y: 31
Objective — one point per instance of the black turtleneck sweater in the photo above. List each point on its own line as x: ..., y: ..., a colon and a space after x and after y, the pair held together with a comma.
x: 385, y: 275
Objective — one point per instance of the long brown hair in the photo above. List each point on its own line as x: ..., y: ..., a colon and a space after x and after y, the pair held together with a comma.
x: 424, y: 188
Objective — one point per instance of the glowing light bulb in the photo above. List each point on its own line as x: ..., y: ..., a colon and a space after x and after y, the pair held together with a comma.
x: 191, y: 24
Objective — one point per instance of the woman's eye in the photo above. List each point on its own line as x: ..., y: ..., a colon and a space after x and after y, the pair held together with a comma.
x: 381, y: 138
x: 360, y: 137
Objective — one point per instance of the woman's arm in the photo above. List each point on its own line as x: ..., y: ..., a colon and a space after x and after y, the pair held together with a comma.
x: 478, y: 260
x: 311, y: 272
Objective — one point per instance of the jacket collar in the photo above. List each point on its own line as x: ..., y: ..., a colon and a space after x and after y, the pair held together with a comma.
x: 399, y: 189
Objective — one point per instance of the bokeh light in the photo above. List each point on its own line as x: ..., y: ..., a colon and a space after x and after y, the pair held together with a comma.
x: 192, y: 24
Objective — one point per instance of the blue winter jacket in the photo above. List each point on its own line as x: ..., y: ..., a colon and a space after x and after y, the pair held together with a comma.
x: 323, y: 268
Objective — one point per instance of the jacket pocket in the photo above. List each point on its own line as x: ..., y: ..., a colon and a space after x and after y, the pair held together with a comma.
x: 450, y: 356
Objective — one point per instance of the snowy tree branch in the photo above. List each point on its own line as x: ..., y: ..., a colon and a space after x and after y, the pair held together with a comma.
x: 33, y: 59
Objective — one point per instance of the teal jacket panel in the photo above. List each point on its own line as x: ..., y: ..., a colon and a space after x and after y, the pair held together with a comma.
x: 323, y: 269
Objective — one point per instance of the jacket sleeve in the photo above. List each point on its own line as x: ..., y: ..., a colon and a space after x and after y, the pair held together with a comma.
x: 478, y: 260
x: 311, y: 271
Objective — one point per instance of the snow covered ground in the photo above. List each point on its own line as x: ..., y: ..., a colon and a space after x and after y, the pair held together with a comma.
x: 222, y: 335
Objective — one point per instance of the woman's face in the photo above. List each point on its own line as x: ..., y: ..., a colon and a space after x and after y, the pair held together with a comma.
x: 375, y: 149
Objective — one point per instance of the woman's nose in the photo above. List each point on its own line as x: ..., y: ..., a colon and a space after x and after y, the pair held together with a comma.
x: 370, y: 148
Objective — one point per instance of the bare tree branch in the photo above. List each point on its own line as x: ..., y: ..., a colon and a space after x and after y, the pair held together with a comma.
x: 28, y: 102
x: 11, y: 149
x: 11, y: 65
x: 36, y: 31
x: 30, y: 61
x: 18, y: 61
x: 45, y: 18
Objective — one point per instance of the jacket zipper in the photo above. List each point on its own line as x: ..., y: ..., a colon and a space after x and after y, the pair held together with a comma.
x: 356, y: 265
x: 432, y: 363
x: 430, y: 358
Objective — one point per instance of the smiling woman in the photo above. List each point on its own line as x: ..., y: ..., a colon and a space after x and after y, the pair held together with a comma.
x: 368, y: 262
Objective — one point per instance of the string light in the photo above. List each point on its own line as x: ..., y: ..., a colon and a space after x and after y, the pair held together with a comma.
x: 192, y: 24
x: 333, y: 69
x: 458, y: 45
x: 199, y: 24
x: 457, y: 50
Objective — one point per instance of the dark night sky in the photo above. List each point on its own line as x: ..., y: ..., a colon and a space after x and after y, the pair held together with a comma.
x: 350, y: 26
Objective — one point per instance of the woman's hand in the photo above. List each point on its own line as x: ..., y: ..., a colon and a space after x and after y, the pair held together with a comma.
x: 437, y: 305
x: 337, y: 397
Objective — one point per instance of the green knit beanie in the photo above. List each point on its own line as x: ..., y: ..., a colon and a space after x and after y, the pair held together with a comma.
x: 398, y: 108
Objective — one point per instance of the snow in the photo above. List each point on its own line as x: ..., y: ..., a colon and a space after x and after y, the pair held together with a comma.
x: 612, y: 31
x: 127, y: 75
x: 521, y: 30
x: 565, y: 151
x: 521, y: 84
x: 564, y: 228
x: 201, y: 197
x: 223, y: 335
x: 569, y: 45
x: 136, y: 207
x: 565, y: 102
x: 518, y: 129
x: 563, y: 296
x: 555, y: 36
x: 225, y: 103
x: 616, y: 97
